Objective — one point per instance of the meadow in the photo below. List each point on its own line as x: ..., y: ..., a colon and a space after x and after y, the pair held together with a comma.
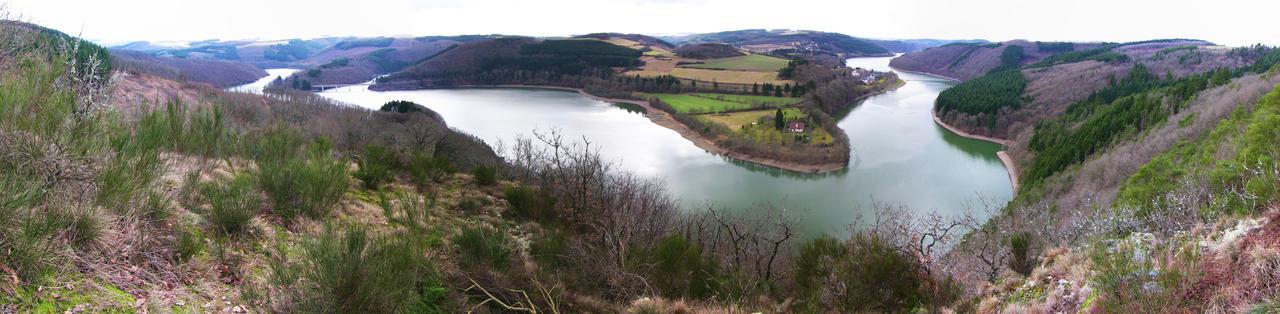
x: 752, y: 99
x: 743, y: 63
x: 687, y: 103
x: 735, y: 77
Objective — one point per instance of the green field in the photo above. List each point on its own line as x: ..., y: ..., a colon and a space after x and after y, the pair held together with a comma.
x: 686, y: 103
x: 714, y: 103
x: 752, y: 99
x: 743, y: 63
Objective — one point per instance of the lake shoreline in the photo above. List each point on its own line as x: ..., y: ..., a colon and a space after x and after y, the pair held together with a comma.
x: 664, y: 119
x: 1010, y: 165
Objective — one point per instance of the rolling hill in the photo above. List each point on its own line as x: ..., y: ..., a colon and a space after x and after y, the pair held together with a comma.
x: 213, y: 72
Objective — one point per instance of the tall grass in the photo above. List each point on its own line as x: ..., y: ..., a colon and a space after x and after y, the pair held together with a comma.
x: 59, y: 158
x: 377, y: 166
x: 232, y: 204
x: 299, y: 180
x: 350, y: 270
x: 483, y: 246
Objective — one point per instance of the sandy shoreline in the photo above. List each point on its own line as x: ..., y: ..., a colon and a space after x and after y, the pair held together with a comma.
x: 1009, y: 164
x: 664, y: 119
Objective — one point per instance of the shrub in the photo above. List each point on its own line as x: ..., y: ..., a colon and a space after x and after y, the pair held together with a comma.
x: 472, y: 203
x: 424, y: 169
x: 134, y: 165
x: 408, y: 212
x: 231, y: 204
x: 680, y: 270
x: 354, y: 271
x: 550, y: 248
x: 1021, y: 259
x: 874, y: 277
x: 485, y: 175
x: 190, y: 242
x: 376, y: 166
x: 307, y: 184
x: 531, y: 203
x: 483, y: 246
x: 812, y: 264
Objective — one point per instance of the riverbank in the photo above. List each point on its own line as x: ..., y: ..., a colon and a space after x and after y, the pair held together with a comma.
x: 1009, y: 163
x: 925, y: 73
x: 664, y: 119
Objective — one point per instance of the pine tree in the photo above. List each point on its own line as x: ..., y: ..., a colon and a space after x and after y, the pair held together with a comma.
x: 779, y: 121
x: 777, y: 92
x: 755, y: 88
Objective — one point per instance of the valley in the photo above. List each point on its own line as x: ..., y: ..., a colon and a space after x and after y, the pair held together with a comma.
x: 483, y: 157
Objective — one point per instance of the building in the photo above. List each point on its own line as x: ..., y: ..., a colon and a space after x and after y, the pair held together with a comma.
x: 795, y: 127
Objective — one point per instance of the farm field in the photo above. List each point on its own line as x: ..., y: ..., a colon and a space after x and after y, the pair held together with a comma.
x: 743, y: 63
x: 733, y: 77
x: 751, y: 99
x: 686, y: 103
x: 735, y: 120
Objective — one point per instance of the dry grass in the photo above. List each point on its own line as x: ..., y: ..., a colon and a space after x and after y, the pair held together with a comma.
x: 705, y: 76
x: 736, y: 120
x: 734, y: 77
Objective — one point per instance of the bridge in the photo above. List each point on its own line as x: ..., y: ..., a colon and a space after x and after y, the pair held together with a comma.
x: 321, y: 88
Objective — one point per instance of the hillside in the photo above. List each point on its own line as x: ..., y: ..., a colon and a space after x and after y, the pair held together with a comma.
x: 764, y: 41
x: 260, y: 53
x: 913, y: 45
x: 360, y: 60
x: 213, y: 72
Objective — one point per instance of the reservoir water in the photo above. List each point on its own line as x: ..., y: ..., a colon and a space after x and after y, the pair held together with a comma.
x: 899, y: 155
x: 257, y: 86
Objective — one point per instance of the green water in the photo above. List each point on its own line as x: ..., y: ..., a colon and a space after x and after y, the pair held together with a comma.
x: 899, y: 156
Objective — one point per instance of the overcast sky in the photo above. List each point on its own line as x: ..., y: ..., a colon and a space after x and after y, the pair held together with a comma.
x: 1228, y: 22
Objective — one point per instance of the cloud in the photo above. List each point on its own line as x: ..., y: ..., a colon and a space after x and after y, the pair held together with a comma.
x: 1079, y: 20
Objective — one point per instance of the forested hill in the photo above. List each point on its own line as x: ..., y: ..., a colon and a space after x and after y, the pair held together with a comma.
x: 803, y: 41
x: 213, y: 72
x: 516, y: 60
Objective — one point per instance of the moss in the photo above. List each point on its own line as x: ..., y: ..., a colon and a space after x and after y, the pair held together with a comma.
x: 89, y: 295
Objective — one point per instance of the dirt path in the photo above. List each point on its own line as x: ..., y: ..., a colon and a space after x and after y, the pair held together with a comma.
x: 1009, y: 164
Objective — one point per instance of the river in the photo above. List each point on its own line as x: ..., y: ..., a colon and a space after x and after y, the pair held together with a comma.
x: 899, y: 155
x: 257, y: 86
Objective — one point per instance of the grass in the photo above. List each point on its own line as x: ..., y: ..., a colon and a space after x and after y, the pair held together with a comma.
x: 231, y: 204
x: 731, y: 77
x: 483, y: 246
x: 376, y: 167
x: 752, y: 99
x: 743, y: 63
x: 687, y: 103
x: 763, y: 130
x: 736, y: 120
x: 308, y: 183
x: 352, y: 270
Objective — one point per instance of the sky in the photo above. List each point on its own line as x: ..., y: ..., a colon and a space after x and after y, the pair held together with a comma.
x: 1226, y: 22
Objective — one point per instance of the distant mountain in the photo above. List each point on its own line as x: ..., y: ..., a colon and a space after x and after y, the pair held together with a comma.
x: 913, y: 45
x: 761, y: 40
x: 144, y: 46
x: 829, y: 42
x: 260, y: 53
